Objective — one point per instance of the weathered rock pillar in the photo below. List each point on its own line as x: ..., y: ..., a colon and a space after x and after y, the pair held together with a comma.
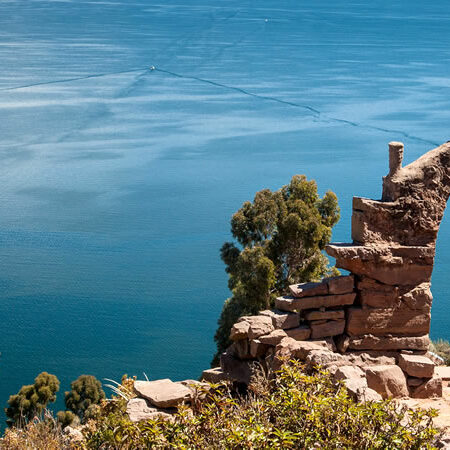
x: 395, y: 157
x: 383, y: 308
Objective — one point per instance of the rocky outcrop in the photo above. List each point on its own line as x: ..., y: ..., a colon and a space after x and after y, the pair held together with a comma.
x: 379, y: 312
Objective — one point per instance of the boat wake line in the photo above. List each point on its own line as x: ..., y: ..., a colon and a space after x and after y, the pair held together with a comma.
x: 314, y: 112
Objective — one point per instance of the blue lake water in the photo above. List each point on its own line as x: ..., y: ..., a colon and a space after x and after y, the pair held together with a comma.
x: 117, y: 184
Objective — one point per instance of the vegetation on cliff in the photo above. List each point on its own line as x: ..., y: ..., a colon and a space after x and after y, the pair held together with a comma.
x: 294, y: 410
x: 280, y: 237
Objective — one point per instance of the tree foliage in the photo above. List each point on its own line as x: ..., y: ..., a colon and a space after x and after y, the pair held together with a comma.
x: 32, y: 399
x: 280, y: 237
x: 85, y: 395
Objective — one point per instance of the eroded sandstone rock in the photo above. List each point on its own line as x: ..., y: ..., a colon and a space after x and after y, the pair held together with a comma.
x: 388, y: 381
x: 416, y: 366
x: 282, y: 319
x: 163, y: 393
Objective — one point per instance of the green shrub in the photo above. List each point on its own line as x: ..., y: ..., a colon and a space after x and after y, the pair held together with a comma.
x: 32, y: 399
x: 294, y: 410
x: 84, y: 397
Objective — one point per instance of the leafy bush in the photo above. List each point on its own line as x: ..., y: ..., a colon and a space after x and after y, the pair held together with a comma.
x: 294, y: 410
x: 84, y: 397
x: 280, y: 238
x: 442, y: 348
x: 32, y: 399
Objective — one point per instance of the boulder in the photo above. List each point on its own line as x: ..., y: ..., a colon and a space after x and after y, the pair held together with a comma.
x: 301, y: 333
x: 309, y: 289
x: 388, y: 380
x: 282, y: 319
x: 416, y: 365
x: 430, y: 388
x: 348, y: 373
x: 371, y: 342
x: 386, y: 321
x: 330, y: 328
x: 325, y: 315
x: 287, y: 303
x: 341, y: 285
x: 163, y: 393
x: 273, y: 338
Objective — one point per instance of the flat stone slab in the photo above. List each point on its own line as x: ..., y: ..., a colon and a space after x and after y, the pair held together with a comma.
x: 163, y: 393
x: 416, y: 365
x: 309, y: 289
x: 287, y: 303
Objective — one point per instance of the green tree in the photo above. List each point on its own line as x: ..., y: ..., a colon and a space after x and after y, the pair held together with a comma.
x: 84, y: 397
x: 280, y: 237
x: 32, y: 399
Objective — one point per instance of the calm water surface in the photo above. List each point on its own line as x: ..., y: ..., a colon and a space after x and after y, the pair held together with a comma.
x: 117, y: 185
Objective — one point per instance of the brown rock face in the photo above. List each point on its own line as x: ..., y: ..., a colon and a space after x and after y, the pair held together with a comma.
x: 388, y: 381
x: 416, y: 366
x: 163, y: 393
